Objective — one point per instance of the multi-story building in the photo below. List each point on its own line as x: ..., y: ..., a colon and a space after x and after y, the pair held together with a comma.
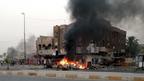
x: 114, y: 41
x: 59, y: 41
x: 112, y: 45
x: 86, y: 49
x: 44, y: 45
x: 89, y: 49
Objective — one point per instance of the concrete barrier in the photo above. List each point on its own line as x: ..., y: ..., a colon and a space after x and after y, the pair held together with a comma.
x: 20, y: 73
x: 71, y: 76
x: 32, y: 74
x: 138, y: 78
x: 51, y: 74
x: 113, y: 77
x: 106, y: 76
x: 94, y: 77
x: 9, y: 72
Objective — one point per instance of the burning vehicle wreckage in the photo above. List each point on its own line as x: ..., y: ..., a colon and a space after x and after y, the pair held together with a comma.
x: 66, y: 64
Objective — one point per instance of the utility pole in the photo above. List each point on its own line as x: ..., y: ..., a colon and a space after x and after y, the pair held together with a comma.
x: 24, y: 38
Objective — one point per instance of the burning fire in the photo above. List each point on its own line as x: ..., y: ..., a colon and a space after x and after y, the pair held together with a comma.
x: 66, y: 62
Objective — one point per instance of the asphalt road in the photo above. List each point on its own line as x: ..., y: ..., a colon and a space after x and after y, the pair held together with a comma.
x: 22, y: 78
x: 22, y: 67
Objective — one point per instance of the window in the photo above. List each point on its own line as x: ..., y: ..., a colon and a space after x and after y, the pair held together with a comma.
x: 39, y: 47
x: 94, y: 60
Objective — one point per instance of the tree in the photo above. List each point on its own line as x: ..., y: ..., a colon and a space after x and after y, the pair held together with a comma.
x: 132, y: 46
x: 142, y: 48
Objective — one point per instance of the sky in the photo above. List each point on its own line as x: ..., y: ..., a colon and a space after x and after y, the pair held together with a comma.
x: 41, y: 16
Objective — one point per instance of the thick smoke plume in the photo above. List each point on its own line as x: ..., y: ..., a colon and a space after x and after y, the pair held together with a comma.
x: 12, y: 52
x: 91, y: 18
x: 108, y: 9
x: 18, y: 51
x: 30, y: 45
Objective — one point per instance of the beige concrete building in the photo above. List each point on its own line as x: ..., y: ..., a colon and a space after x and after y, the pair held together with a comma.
x: 44, y: 45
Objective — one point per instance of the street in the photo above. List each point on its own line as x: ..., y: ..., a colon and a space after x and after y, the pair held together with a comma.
x: 41, y: 67
x: 22, y: 78
x: 21, y: 67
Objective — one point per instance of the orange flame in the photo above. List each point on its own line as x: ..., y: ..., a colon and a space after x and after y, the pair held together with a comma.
x: 75, y: 64
x: 64, y: 61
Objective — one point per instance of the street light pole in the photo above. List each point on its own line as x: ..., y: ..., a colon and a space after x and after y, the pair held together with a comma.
x: 24, y: 38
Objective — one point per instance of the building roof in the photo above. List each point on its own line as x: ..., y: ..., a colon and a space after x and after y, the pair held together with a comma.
x: 118, y: 30
x: 46, y: 37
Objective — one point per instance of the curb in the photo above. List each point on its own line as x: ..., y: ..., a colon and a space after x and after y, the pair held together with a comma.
x: 51, y: 75
x: 71, y: 76
x: 78, y: 75
x: 94, y: 77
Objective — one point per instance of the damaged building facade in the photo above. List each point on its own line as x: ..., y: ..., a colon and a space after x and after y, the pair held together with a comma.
x: 49, y: 47
x: 114, y: 41
x: 44, y: 46
x: 59, y: 40
x: 111, y: 47
x: 88, y: 49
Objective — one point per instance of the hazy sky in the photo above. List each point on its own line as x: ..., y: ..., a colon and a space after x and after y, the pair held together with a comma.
x: 41, y: 16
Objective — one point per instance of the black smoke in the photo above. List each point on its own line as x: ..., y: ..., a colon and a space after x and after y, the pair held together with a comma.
x: 91, y: 18
x: 108, y: 9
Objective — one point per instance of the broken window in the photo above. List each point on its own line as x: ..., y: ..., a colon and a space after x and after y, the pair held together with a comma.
x: 49, y: 46
x: 39, y: 47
